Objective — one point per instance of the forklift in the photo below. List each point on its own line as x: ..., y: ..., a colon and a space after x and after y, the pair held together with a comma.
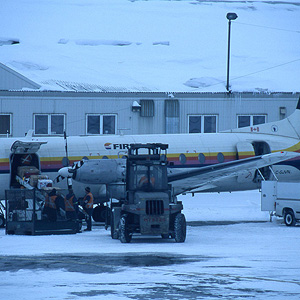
x: 149, y: 206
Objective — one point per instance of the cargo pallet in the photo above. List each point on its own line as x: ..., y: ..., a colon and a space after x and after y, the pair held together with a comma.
x: 24, y: 215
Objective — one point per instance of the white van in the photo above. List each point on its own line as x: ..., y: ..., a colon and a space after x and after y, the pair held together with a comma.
x: 283, y: 198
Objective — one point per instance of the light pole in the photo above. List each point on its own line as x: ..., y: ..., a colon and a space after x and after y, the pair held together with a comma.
x: 230, y: 17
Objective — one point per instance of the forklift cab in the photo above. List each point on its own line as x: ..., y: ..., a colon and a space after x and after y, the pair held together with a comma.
x: 147, y: 171
x: 148, y: 177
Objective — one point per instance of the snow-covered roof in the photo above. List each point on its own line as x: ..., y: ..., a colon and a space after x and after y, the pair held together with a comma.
x: 134, y: 46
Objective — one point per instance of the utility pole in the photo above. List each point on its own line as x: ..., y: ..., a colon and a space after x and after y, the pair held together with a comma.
x: 230, y: 17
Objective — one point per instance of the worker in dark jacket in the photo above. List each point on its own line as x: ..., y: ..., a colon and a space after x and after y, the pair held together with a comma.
x: 88, y: 202
x: 50, y: 207
x: 70, y: 206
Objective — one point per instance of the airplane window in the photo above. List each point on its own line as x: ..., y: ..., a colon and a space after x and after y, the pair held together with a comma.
x: 220, y: 157
x: 201, y: 158
x: 182, y: 158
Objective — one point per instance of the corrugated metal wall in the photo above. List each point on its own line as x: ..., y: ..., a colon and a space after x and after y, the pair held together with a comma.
x: 75, y: 106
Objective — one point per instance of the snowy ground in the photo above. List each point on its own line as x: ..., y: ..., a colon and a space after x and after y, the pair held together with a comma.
x: 231, y: 252
x: 159, y: 45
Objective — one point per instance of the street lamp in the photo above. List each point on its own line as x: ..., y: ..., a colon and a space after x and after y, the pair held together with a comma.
x: 230, y: 17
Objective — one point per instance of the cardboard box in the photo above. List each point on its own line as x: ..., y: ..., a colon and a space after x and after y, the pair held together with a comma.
x: 34, y: 179
x: 27, y: 171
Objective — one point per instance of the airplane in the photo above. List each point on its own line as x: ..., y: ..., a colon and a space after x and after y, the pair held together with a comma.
x: 233, y: 160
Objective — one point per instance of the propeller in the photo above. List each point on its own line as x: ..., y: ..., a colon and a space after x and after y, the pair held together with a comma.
x: 69, y: 172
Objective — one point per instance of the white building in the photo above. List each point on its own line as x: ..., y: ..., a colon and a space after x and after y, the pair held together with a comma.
x: 23, y: 107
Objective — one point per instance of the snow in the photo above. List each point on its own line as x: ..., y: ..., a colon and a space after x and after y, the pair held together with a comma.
x: 231, y: 251
x: 168, y: 46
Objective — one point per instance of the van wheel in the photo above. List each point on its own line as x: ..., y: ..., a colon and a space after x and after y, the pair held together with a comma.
x: 124, y: 234
x: 180, y: 228
x: 289, y: 218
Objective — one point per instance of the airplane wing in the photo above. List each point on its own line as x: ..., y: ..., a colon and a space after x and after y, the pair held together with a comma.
x: 205, y: 177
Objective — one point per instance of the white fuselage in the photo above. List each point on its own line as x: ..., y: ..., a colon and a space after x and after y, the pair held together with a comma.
x: 185, y: 151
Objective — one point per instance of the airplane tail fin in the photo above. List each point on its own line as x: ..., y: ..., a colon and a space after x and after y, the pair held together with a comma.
x: 289, y: 127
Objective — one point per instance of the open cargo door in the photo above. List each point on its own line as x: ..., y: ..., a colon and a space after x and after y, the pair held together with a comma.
x: 245, y: 150
x: 23, y: 155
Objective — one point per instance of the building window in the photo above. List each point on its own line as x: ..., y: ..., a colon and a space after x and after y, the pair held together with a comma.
x: 93, y: 124
x: 172, y: 116
x: 202, y: 124
x: 109, y: 124
x: 101, y: 124
x: 49, y: 124
x: 147, y: 108
x: 5, y: 124
x: 251, y: 120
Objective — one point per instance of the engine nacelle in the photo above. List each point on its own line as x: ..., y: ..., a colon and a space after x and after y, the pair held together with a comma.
x: 101, y: 171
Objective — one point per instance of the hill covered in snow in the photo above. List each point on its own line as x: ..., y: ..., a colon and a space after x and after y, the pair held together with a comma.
x: 152, y: 45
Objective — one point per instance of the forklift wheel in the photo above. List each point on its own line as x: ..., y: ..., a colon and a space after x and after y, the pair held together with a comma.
x: 180, y: 228
x: 2, y: 221
x: 124, y: 235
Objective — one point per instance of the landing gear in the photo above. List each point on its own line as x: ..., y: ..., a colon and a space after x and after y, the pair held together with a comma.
x: 99, y: 213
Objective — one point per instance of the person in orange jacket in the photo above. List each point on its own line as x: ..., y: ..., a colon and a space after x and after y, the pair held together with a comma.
x: 70, y: 205
x: 88, y: 202
x: 51, y: 205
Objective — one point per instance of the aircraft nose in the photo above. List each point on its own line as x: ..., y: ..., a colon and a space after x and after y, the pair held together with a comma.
x: 64, y: 172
